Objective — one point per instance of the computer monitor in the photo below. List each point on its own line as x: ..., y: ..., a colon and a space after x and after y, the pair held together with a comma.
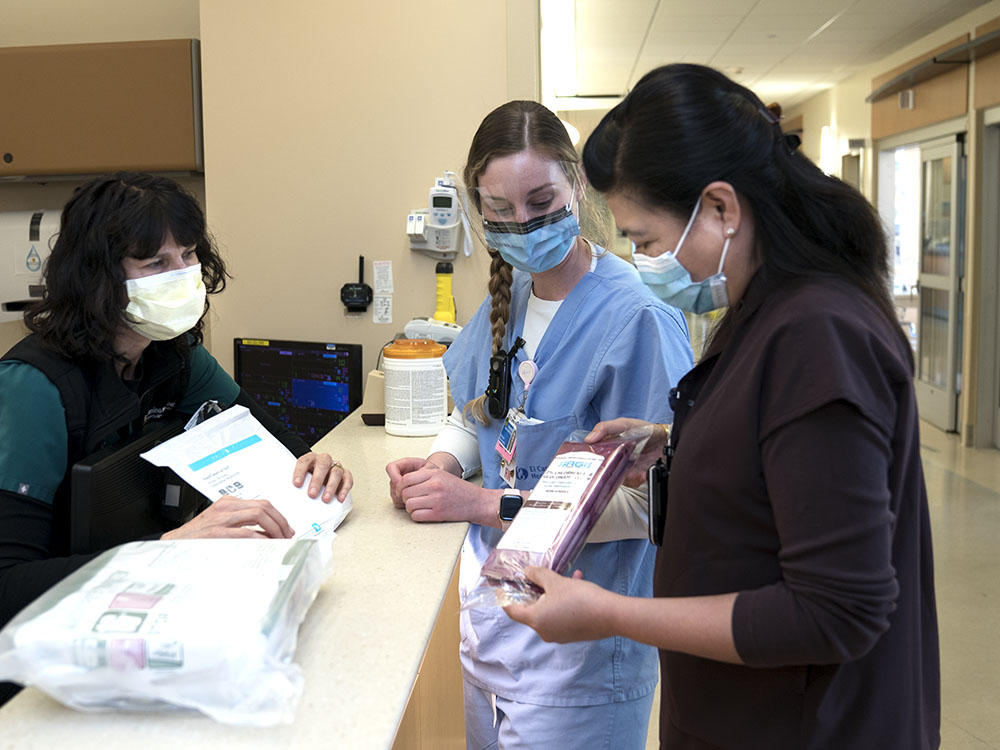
x: 308, y: 386
x: 117, y: 496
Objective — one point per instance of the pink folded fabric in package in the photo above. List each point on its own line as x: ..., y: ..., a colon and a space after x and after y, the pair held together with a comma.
x: 558, y: 516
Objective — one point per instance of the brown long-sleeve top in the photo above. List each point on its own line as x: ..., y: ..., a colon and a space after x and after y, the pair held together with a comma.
x: 797, y: 482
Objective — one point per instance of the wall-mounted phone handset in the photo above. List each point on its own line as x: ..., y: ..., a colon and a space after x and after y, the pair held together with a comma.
x: 357, y: 297
x: 498, y: 388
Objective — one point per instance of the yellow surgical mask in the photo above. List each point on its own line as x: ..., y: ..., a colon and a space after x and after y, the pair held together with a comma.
x: 165, y: 305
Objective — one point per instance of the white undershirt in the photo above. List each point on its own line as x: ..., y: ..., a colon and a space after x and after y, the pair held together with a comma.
x: 537, y: 317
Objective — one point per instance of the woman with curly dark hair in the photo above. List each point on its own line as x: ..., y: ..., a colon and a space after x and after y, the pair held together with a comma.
x: 115, y: 343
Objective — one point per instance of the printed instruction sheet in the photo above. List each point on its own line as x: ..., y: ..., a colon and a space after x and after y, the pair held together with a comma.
x: 233, y: 454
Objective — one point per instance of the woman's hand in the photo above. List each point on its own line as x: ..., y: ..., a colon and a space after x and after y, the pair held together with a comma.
x: 328, y: 476
x: 570, y: 610
x: 431, y: 493
x: 397, y: 470
x: 230, y: 517
x: 653, y: 449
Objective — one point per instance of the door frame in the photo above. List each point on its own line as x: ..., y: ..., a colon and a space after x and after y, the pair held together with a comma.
x: 930, y: 136
x: 987, y: 395
x: 939, y: 403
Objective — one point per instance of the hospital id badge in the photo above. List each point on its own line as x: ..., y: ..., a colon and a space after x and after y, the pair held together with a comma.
x: 507, y: 446
x: 508, y: 473
x: 507, y: 440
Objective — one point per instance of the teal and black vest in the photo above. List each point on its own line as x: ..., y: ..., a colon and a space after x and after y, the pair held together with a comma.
x: 100, y: 407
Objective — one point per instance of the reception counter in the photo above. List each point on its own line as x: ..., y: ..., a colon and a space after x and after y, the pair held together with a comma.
x: 361, y: 645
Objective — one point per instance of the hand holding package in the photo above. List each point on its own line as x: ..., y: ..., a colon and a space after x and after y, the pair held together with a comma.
x: 558, y: 516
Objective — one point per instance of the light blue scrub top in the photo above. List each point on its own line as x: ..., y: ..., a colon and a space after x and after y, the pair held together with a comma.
x: 612, y: 350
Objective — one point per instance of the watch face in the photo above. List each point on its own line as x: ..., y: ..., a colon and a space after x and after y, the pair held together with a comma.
x: 509, y: 506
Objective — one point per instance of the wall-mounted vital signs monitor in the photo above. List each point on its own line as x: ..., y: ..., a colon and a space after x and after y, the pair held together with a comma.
x: 307, y: 386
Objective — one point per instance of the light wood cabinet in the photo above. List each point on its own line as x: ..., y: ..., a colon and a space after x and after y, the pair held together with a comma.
x: 435, y: 714
x: 93, y: 108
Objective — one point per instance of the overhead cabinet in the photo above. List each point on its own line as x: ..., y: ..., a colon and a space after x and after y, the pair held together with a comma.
x: 93, y: 108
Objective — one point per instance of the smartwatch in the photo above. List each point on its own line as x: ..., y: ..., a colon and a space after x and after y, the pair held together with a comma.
x: 510, y: 504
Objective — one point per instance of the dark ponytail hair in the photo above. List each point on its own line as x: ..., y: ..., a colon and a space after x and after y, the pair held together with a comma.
x: 685, y: 126
x: 127, y: 214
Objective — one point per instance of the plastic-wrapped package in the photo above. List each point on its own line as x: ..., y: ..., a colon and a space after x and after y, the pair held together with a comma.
x: 208, y: 624
x: 554, y: 522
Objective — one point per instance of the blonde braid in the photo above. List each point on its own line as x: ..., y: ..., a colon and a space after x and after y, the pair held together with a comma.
x: 501, y: 276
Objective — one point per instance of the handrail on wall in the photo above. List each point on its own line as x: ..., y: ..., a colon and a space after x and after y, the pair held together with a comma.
x: 962, y: 54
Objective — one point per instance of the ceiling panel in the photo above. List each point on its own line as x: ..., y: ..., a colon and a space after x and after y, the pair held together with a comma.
x: 776, y: 23
x: 778, y: 7
x: 797, y: 47
x: 721, y: 23
x: 680, y: 8
x: 892, y: 22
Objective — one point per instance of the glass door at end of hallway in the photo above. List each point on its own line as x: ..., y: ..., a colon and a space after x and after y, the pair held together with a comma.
x: 942, y: 258
x: 925, y: 195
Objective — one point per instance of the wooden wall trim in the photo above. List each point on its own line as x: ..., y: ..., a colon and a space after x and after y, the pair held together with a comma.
x: 986, y: 72
x: 937, y: 99
x: 889, y: 75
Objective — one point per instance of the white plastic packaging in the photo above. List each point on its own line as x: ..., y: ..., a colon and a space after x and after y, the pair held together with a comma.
x: 207, y: 625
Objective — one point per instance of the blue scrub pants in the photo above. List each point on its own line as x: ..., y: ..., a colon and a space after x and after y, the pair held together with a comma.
x: 526, y: 726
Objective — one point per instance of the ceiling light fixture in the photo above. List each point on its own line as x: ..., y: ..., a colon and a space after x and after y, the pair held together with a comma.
x: 574, y: 134
x: 558, y: 50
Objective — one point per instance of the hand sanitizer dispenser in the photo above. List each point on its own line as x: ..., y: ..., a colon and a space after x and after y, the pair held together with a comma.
x: 24, y: 246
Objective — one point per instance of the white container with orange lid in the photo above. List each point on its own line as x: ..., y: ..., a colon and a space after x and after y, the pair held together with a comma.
x: 416, y: 387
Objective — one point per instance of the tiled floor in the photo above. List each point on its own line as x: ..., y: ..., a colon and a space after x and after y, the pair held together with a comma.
x: 963, y: 488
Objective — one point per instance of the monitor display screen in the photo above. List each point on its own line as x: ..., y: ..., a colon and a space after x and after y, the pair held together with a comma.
x: 307, y: 386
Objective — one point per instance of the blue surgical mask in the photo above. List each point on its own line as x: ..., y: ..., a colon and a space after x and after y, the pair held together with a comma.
x: 537, y: 245
x: 672, y: 283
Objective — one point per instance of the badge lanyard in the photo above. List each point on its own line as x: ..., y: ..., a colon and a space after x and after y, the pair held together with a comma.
x: 507, y: 440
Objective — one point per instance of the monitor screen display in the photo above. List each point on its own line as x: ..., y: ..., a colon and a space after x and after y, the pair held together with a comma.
x: 307, y: 386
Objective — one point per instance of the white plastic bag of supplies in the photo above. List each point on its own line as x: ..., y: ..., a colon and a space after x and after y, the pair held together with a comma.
x: 207, y: 624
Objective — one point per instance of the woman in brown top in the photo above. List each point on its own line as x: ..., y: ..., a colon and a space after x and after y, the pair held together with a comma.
x: 794, y: 597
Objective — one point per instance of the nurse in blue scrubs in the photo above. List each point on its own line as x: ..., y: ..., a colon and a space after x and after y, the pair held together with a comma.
x: 584, y: 341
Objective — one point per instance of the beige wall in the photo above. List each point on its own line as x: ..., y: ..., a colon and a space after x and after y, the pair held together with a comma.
x: 42, y: 22
x: 73, y: 22
x: 325, y: 123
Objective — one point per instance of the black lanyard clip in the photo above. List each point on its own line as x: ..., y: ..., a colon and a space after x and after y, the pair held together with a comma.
x: 656, y: 495
x: 498, y: 388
